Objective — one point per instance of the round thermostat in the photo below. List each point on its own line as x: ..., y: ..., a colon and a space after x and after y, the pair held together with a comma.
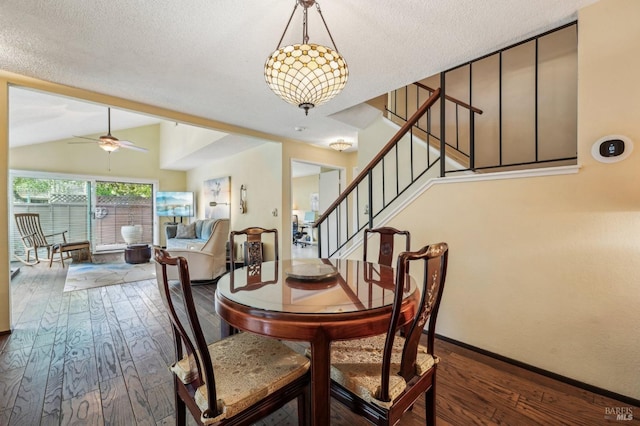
x: 612, y: 148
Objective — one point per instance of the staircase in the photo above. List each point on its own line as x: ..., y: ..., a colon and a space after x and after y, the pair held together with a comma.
x: 442, y: 135
x: 392, y: 171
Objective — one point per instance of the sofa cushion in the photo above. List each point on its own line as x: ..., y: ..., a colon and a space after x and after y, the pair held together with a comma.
x: 198, y: 224
x: 185, y: 243
x: 186, y: 231
x: 207, y: 228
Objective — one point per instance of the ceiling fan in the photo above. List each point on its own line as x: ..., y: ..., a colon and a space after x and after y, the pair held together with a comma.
x: 109, y: 142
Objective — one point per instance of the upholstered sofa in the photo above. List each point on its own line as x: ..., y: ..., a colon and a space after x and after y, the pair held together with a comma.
x: 204, y: 244
x: 189, y: 235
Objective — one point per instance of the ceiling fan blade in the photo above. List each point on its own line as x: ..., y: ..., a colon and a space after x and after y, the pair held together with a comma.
x: 79, y: 142
x: 135, y: 148
x: 131, y: 145
x: 84, y: 137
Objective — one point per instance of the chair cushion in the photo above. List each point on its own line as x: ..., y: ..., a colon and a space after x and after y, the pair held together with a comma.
x: 247, y: 368
x: 186, y: 231
x: 356, y: 365
x: 77, y: 245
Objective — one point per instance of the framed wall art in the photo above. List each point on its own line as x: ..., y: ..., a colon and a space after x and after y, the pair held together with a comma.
x: 217, y: 198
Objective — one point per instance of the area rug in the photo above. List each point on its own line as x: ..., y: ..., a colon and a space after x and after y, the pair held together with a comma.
x: 82, y: 276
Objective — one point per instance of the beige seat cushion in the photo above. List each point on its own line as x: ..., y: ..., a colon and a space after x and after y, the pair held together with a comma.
x: 247, y: 368
x: 356, y: 365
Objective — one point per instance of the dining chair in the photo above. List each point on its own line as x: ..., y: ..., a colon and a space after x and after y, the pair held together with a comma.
x: 381, y: 377
x: 253, y: 245
x: 387, y: 239
x: 234, y: 381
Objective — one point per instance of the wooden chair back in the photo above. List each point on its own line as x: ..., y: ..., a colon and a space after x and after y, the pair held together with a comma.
x: 231, y: 403
x: 381, y: 377
x: 387, y: 239
x: 254, y: 248
x: 197, y: 347
x: 432, y: 259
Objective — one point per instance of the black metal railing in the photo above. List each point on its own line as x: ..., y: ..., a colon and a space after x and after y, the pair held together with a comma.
x: 402, y: 161
x: 424, y: 128
x: 449, y: 136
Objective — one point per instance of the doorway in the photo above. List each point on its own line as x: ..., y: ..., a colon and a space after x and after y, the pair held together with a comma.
x: 314, y: 187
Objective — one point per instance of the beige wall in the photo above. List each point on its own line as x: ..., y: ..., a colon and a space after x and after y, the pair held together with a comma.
x: 89, y: 159
x: 179, y: 141
x: 545, y: 270
x: 301, y: 191
x: 266, y: 171
x: 259, y: 169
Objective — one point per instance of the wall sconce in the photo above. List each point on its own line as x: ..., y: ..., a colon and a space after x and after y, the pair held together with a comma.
x: 243, y: 199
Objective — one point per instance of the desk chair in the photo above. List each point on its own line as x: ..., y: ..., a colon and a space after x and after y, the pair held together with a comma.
x: 381, y: 377
x: 296, y: 232
x: 253, y: 375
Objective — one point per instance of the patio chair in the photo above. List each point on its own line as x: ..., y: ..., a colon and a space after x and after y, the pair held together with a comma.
x: 33, y: 238
x: 381, y: 377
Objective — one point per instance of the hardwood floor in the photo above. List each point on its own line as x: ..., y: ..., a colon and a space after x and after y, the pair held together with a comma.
x: 100, y: 356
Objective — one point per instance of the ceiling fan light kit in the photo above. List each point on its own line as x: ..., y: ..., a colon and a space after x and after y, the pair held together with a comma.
x: 110, y: 143
x: 306, y: 74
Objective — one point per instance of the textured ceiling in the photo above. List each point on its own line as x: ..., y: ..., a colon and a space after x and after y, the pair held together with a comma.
x: 206, y: 57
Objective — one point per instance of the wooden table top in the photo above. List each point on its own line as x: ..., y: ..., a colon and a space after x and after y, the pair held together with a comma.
x: 358, y: 286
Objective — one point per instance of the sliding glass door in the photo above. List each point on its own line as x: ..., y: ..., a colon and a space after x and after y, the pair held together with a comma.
x: 119, y: 204
x: 87, y: 209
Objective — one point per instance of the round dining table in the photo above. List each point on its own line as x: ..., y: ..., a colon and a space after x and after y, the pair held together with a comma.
x: 312, y: 300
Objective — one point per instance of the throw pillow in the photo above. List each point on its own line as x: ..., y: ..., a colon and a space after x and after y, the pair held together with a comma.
x: 186, y: 231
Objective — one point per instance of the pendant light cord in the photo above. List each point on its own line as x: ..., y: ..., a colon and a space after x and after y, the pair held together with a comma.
x: 287, y: 27
x: 326, y: 27
x: 305, y: 26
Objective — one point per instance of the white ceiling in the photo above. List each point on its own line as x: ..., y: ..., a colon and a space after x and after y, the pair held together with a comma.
x: 206, y: 58
x: 36, y: 117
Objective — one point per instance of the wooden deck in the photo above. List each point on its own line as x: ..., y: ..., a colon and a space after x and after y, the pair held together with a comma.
x: 100, y: 356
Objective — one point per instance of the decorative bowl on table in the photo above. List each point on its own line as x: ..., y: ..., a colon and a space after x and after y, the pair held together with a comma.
x: 308, y: 274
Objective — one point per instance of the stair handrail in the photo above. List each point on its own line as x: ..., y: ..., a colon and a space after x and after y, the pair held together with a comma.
x: 450, y: 98
x: 384, y: 151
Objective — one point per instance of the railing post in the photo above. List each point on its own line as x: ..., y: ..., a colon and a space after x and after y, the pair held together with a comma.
x: 370, y: 177
x: 443, y: 107
x: 319, y: 239
x: 472, y: 141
